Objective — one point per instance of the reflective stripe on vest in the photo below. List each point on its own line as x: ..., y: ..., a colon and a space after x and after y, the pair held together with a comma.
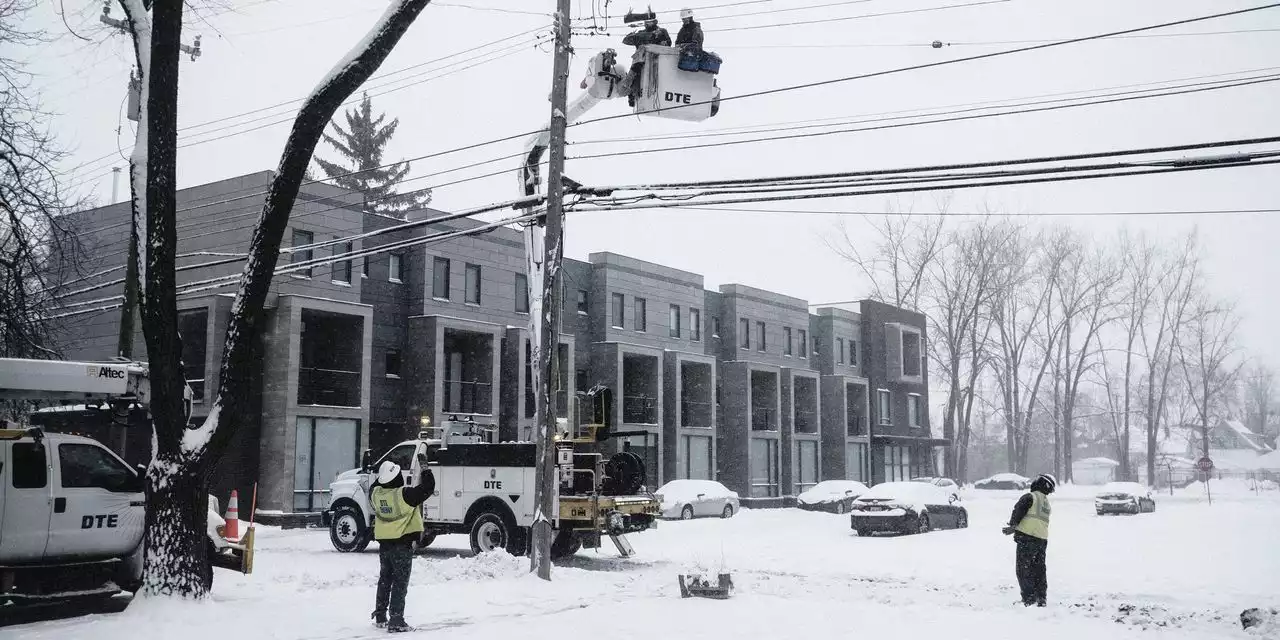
x: 1036, y: 522
x: 393, y: 518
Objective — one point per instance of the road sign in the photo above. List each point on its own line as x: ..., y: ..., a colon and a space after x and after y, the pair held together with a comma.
x: 1204, y: 464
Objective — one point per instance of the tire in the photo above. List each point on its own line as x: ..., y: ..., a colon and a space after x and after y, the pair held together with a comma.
x: 962, y: 521
x: 348, y: 531
x: 687, y: 512
x: 490, y: 532
x: 922, y: 524
x: 566, y: 544
x: 862, y: 533
x: 1153, y: 507
x: 728, y: 511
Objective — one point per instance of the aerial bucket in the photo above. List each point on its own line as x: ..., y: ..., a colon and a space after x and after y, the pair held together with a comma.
x: 667, y: 91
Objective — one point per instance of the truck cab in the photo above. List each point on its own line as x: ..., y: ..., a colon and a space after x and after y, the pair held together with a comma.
x: 70, y: 502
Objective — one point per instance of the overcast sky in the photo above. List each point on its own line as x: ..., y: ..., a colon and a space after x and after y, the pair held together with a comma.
x: 262, y: 53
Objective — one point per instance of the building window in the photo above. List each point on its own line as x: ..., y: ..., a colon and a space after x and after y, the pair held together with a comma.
x: 581, y: 384
x: 472, y: 284
x: 695, y: 325
x: 619, y: 311
x: 910, y: 353
x: 301, y: 239
x: 913, y: 409
x: 802, y: 339
x: 897, y: 463
x: 193, y: 329
x: 853, y: 352
x: 884, y: 406
x: 391, y: 362
x: 393, y: 268
x: 364, y: 270
x: 744, y: 331
x: 440, y: 279
x: 342, y: 269
x: 715, y: 326
x: 760, y: 337
x: 642, y: 314
x: 764, y: 468
x: 583, y: 305
x: 786, y: 341
x: 522, y: 293
x: 674, y: 324
x: 817, y: 344
x: 840, y: 350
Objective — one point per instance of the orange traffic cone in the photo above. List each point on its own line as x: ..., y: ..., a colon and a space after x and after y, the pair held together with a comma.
x: 233, y: 517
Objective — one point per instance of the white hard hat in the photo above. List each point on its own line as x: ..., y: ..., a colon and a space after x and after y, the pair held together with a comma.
x: 388, y: 472
x: 686, y: 13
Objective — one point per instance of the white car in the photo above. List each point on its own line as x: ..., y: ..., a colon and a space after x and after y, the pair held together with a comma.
x: 688, y: 499
x: 1124, y: 497
x: 835, y: 496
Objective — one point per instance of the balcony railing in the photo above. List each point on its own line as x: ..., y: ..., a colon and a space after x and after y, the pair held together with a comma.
x: 695, y: 414
x: 639, y: 410
x: 764, y: 418
x: 462, y: 396
x: 806, y: 421
x: 195, y: 379
x: 328, y: 387
x: 857, y: 425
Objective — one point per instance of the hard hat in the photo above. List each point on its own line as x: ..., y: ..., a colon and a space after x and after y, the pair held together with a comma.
x: 388, y: 472
x: 685, y: 14
x: 1048, y: 477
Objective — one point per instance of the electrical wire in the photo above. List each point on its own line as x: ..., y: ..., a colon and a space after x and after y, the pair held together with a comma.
x: 978, y: 214
x: 828, y: 20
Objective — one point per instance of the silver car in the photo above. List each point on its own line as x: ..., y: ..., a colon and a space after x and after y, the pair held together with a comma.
x: 688, y: 499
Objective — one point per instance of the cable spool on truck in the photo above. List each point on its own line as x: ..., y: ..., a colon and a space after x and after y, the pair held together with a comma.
x: 72, y: 512
x: 484, y: 489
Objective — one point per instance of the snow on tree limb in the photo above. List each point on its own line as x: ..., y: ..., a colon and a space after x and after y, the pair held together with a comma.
x: 139, y: 21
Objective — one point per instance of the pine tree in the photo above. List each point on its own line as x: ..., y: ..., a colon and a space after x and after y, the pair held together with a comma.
x: 362, y: 143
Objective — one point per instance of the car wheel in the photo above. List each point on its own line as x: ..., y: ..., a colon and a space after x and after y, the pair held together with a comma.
x: 728, y: 511
x: 922, y: 523
x: 862, y: 533
x: 348, y: 531
x: 686, y: 513
x: 1153, y: 507
x: 490, y: 532
x: 962, y: 521
x: 565, y: 545
x: 840, y: 508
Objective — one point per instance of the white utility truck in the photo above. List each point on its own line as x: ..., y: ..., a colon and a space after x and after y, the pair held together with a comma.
x: 484, y: 489
x: 72, y: 513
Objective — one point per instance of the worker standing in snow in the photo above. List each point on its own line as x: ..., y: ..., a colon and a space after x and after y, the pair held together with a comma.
x: 1029, y: 526
x: 397, y: 523
x: 690, y: 33
x: 651, y: 34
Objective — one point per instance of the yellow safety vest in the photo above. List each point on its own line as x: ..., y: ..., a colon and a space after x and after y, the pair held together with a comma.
x: 1036, y: 522
x: 393, y: 518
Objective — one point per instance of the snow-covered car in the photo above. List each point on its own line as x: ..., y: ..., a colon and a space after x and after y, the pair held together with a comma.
x: 907, y: 507
x: 688, y: 499
x: 835, y: 496
x: 1003, y: 482
x: 945, y: 483
x: 1124, y: 497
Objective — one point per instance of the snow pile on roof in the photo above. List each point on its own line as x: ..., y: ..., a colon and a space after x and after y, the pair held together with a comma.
x: 1268, y: 461
x: 1096, y: 462
x: 1247, y: 436
x: 1008, y: 477
x: 686, y: 490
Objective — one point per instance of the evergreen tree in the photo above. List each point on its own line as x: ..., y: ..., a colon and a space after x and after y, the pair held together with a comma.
x: 362, y: 143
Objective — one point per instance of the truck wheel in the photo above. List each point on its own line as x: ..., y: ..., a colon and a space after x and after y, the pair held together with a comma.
x: 348, y: 531
x: 490, y: 532
x: 565, y: 545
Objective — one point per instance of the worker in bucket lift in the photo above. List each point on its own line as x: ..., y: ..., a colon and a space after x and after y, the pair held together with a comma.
x: 651, y: 34
x: 609, y: 76
x: 690, y: 31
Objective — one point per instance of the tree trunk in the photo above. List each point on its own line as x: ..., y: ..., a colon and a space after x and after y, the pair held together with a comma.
x: 176, y: 561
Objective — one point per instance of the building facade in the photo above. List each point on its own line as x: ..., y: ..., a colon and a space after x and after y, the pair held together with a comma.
x: 736, y: 384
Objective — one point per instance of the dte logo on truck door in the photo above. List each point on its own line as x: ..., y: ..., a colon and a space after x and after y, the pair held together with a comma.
x: 682, y: 98
x: 493, y: 484
x: 99, y: 522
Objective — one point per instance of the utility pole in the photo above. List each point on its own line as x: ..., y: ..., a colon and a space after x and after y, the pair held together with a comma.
x: 553, y: 257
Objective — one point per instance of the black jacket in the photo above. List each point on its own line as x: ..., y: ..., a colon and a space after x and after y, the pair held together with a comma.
x: 1020, y: 509
x: 690, y: 33
x: 648, y: 36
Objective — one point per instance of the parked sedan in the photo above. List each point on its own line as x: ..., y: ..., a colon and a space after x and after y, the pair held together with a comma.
x: 1124, y: 497
x: 688, y: 499
x: 907, y: 507
x: 945, y: 483
x: 835, y: 496
x: 1004, y: 482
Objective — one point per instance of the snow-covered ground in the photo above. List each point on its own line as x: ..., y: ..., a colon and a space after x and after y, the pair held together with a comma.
x: 1185, y: 571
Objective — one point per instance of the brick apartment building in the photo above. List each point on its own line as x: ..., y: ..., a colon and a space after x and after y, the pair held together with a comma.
x: 741, y: 385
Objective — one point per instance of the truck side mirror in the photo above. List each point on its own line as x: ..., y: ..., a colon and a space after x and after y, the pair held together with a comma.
x: 366, y: 460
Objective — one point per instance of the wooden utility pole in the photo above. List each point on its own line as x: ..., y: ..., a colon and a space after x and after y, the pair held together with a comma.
x: 553, y: 256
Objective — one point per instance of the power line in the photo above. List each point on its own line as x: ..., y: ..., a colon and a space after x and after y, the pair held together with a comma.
x: 980, y: 116
x: 941, y: 63
x: 980, y: 214
x: 882, y: 14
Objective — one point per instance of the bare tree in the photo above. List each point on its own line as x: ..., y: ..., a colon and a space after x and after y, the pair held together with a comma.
x: 175, y: 561
x: 1259, y: 397
x: 1207, y: 356
x: 1175, y: 281
x: 38, y: 244
x: 896, y: 266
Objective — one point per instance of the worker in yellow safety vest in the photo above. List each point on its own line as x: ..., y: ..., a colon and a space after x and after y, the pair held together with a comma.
x: 1029, y: 526
x: 397, y: 523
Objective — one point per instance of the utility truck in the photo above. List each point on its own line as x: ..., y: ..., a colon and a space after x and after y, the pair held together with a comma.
x: 72, y: 512
x: 485, y: 489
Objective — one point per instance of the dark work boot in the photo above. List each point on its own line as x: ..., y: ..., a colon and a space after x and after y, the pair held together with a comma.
x: 398, y: 625
x: 379, y: 619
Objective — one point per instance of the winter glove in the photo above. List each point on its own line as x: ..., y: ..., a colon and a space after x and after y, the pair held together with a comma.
x: 1008, y: 531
